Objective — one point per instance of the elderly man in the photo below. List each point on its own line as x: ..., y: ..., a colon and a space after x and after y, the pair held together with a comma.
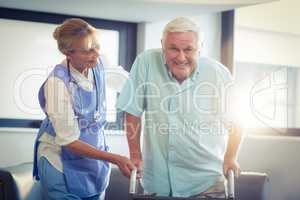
x: 189, y: 138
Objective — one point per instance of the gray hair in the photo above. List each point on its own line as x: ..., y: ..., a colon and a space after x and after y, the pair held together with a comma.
x: 181, y: 25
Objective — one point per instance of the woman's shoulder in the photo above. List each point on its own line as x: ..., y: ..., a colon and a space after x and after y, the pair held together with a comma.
x: 60, y: 70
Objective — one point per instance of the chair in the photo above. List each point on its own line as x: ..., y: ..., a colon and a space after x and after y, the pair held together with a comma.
x: 17, y: 183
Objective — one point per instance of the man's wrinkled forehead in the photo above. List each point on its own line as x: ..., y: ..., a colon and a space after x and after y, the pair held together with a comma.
x: 191, y: 40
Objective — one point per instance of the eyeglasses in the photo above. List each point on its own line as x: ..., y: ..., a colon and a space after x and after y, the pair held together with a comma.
x: 83, y: 51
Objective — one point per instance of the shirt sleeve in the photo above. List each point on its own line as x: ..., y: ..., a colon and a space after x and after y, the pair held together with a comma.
x: 60, y: 111
x: 132, y: 96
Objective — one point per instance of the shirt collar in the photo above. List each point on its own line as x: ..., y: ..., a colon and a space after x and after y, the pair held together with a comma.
x: 195, y: 73
x: 84, y: 82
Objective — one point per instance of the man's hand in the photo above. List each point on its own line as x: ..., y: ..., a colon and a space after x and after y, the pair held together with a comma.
x: 231, y: 163
x: 231, y: 154
x: 136, y: 159
x: 133, y: 133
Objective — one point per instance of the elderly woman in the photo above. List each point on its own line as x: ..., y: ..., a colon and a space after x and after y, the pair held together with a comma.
x: 71, y: 154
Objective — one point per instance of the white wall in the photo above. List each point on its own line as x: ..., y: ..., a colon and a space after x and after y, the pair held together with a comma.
x: 268, y: 33
x: 279, y: 16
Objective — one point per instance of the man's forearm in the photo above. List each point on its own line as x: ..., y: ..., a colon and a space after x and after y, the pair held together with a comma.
x: 233, y: 144
x: 133, y: 130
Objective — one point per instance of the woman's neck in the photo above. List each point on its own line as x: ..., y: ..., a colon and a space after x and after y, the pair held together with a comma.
x: 83, y: 71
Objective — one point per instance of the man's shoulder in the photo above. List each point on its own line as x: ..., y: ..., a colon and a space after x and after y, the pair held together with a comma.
x: 212, y: 64
x: 151, y: 53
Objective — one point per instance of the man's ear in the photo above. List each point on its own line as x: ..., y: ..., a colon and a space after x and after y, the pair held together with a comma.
x: 162, y: 44
x: 201, y: 44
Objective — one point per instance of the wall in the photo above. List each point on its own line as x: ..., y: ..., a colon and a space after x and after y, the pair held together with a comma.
x: 272, y: 31
x: 279, y: 16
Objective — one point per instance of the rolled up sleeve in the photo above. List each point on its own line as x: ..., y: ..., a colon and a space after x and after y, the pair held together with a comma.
x: 132, y: 96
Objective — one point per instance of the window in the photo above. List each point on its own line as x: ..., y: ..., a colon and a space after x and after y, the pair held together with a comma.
x: 267, y: 96
x: 30, y: 53
x: 267, y: 77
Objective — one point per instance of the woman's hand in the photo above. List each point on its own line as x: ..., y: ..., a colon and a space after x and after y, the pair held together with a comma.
x: 125, y: 165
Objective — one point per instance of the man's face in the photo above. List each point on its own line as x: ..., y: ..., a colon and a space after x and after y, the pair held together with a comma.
x: 181, y: 53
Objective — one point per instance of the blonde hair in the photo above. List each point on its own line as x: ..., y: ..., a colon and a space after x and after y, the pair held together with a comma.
x: 70, y: 31
x: 181, y: 25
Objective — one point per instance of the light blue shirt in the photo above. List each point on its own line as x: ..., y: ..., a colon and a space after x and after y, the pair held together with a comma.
x: 184, y: 133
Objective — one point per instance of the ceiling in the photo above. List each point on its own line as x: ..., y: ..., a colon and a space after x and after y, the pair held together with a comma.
x: 130, y: 10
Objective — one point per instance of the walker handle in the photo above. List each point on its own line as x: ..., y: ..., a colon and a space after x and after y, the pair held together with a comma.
x: 132, y: 183
x: 230, y: 179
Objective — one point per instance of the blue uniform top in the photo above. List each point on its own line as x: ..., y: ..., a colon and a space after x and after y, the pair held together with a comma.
x: 84, y: 177
x: 184, y: 131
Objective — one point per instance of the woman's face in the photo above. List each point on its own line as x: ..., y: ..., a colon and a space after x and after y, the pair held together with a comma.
x: 84, y: 53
